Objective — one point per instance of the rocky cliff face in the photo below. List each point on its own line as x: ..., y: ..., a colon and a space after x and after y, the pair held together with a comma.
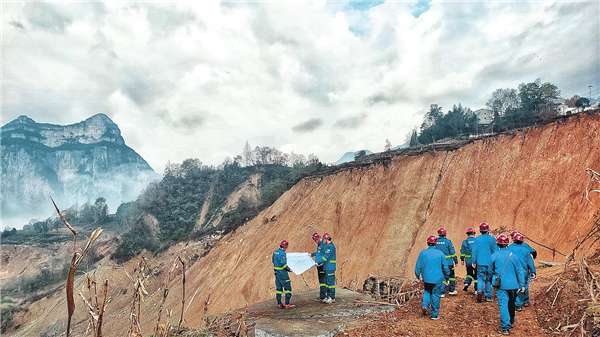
x: 74, y: 163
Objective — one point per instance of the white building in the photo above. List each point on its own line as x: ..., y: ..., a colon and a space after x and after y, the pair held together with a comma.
x: 486, y: 116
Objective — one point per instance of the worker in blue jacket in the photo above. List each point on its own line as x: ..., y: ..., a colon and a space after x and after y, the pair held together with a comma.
x: 327, y: 257
x: 466, y: 253
x: 446, y: 247
x: 433, y: 270
x: 485, y: 245
x: 532, y: 251
x: 282, y: 279
x: 320, y: 272
x: 507, y: 267
x: 528, y: 266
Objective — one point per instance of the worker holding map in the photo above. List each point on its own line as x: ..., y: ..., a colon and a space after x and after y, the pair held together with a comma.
x: 320, y: 272
x: 327, y: 257
x: 282, y: 279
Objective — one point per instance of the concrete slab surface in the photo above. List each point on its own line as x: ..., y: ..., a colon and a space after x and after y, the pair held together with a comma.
x: 311, y: 318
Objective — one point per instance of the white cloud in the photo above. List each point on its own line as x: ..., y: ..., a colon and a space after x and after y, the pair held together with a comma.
x: 198, y: 80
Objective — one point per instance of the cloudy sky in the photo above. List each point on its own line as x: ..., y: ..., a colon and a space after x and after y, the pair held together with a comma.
x: 199, y: 79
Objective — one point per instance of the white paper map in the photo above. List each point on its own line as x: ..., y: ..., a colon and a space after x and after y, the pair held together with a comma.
x: 299, y: 262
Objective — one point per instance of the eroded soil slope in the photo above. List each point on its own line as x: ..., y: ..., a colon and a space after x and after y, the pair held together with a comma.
x: 380, y: 216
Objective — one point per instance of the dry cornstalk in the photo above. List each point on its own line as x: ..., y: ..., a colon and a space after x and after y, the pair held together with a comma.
x: 138, y: 296
x: 102, y: 307
x: 242, y: 330
x: 205, y: 311
x: 76, y: 260
x: 183, y: 293
x: 165, y: 294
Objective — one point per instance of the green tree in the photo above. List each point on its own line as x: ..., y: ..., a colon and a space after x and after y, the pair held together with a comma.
x: 41, y: 226
x: 432, y: 116
x: 359, y: 154
x: 583, y: 103
x: 388, y: 145
x: 502, y: 100
x: 414, y: 138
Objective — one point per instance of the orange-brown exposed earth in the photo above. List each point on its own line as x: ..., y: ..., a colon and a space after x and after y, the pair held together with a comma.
x: 379, y: 218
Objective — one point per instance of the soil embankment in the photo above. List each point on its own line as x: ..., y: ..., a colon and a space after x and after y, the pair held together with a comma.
x: 380, y: 216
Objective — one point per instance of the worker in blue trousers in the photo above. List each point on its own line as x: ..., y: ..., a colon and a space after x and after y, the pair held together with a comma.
x: 485, y: 245
x: 532, y: 251
x: 466, y: 250
x: 506, y: 267
x: 327, y: 257
x: 528, y: 266
x: 282, y: 279
x: 445, y: 246
x: 433, y: 270
x: 320, y: 272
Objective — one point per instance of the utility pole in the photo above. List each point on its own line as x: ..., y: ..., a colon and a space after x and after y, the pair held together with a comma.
x: 590, y: 87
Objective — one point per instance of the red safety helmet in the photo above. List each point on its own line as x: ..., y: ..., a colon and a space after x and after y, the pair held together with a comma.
x: 512, y: 234
x: 484, y: 227
x: 470, y: 230
x: 441, y: 231
x: 518, y: 237
x: 327, y: 236
x: 432, y: 239
x: 502, y: 240
x: 283, y: 244
x: 316, y: 236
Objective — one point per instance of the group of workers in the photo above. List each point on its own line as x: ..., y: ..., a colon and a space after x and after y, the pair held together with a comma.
x: 325, y: 261
x: 489, y: 262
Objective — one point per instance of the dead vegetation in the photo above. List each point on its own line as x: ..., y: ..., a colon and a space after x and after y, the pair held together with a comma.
x: 391, y: 289
x: 571, y: 302
x: 96, y: 310
x: 76, y: 260
x: 594, y: 178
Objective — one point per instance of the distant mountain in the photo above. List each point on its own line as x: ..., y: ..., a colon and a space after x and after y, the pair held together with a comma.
x: 401, y: 146
x: 74, y: 163
x: 349, y: 156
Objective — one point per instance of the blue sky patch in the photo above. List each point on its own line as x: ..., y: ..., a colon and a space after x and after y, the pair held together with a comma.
x: 364, y: 5
x: 420, y: 8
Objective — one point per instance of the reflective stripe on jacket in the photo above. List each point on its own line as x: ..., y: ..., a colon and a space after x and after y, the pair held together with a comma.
x: 327, y: 256
x: 280, y: 261
x: 466, y: 250
x: 445, y: 246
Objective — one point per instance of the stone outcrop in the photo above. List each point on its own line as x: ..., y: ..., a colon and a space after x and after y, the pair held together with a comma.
x: 74, y: 163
